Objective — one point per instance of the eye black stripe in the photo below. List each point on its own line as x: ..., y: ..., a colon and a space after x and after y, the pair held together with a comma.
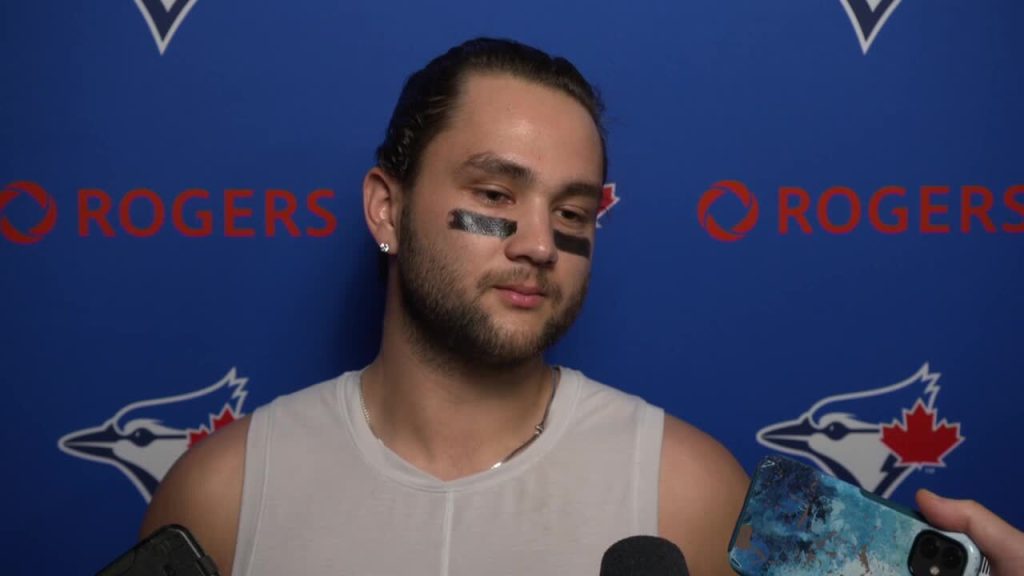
x: 577, y: 245
x: 479, y: 224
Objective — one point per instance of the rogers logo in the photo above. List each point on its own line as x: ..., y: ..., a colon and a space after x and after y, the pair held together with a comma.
x: 45, y: 201
x: 740, y: 229
x: 198, y: 213
x: 889, y: 210
x: 192, y: 213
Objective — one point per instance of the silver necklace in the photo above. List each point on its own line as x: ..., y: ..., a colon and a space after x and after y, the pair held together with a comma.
x: 537, y: 430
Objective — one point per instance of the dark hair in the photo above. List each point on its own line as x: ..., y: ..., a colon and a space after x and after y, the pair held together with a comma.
x: 429, y: 95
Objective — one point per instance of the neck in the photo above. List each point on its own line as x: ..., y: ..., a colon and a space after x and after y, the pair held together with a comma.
x: 451, y: 418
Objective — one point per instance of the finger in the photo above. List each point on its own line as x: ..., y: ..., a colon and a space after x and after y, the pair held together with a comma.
x: 992, y: 534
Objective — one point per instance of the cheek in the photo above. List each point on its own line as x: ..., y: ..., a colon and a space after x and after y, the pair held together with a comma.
x: 577, y: 272
x: 468, y: 255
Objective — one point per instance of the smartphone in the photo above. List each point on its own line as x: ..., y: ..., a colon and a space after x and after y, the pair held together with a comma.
x: 170, y: 551
x: 799, y: 521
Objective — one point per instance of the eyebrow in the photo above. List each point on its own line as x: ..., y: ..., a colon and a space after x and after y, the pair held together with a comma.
x: 495, y: 165
x: 581, y: 189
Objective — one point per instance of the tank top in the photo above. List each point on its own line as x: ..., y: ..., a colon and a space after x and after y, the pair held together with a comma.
x: 322, y: 495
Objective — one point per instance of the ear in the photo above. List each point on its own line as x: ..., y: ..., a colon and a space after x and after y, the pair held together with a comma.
x: 382, y: 206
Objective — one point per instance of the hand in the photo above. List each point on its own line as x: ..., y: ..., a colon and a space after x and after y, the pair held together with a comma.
x: 1001, y: 543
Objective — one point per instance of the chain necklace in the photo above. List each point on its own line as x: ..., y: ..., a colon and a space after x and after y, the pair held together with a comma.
x: 537, y: 430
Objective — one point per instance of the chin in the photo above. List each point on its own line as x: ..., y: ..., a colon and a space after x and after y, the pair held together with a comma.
x: 521, y: 344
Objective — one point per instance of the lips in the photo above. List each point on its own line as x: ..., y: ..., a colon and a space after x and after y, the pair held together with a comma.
x: 523, y: 289
x: 521, y: 295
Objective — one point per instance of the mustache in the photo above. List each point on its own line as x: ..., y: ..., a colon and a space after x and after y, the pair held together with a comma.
x: 521, y: 275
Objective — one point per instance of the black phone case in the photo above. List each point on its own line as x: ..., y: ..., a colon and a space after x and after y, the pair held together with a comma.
x: 171, y: 550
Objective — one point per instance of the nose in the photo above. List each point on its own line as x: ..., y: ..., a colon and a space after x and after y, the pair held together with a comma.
x: 534, y: 240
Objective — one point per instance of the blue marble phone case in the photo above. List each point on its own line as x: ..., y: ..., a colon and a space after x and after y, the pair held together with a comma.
x: 798, y: 521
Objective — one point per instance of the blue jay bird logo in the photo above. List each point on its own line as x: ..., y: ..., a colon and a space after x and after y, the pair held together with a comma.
x: 145, y: 438
x: 608, y: 201
x: 873, y: 438
x: 164, y: 17
x: 868, y: 17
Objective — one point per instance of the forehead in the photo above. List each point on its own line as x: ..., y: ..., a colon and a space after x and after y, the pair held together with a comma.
x: 522, y: 121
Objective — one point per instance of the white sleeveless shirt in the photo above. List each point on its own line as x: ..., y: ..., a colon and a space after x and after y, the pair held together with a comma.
x: 323, y: 496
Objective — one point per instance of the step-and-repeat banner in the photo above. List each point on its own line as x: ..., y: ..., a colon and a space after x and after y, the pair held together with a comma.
x: 812, y: 243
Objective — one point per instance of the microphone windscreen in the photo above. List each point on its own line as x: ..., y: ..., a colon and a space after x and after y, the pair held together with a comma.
x: 643, y: 556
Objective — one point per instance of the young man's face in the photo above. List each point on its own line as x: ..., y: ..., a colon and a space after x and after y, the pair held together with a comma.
x: 496, y: 238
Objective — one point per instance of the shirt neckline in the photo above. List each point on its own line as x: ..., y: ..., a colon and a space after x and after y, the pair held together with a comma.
x: 389, y: 464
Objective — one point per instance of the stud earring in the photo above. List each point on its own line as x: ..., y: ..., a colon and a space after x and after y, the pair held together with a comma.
x: 385, y: 247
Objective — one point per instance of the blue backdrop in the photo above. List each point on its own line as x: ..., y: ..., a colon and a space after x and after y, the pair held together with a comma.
x: 818, y: 228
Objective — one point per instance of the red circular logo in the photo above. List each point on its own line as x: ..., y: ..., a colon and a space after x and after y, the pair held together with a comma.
x: 740, y: 229
x: 45, y: 201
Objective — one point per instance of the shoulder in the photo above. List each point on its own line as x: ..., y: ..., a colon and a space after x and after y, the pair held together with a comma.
x: 700, y: 493
x: 203, y: 492
x: 590, y: 394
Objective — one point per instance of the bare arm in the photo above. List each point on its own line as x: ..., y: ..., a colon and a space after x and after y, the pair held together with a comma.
x: 203, y: 492
x: 701, y: 491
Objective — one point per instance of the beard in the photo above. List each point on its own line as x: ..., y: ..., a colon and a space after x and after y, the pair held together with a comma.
x: 448, y: 325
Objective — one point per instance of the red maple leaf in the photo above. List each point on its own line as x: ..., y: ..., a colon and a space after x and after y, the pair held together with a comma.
x: 608, y: 199
x: 918, y: 440
x: 226, y: 416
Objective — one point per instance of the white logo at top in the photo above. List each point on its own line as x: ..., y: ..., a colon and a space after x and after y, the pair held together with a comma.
x: 868, y: 18
x: 164, y: 17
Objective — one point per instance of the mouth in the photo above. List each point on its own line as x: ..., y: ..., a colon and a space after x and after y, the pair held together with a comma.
x: 523, y: 296
x: 525, y: 289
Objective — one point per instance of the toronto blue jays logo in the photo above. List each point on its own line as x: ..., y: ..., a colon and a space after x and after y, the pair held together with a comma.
x: 872, y: 438
x: 868, y: 17
x: 608, y: 200
x: 164, y: 17
x: 145, y: 438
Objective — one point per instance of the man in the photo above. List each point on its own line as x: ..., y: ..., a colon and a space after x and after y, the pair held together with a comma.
x: 459, y: 450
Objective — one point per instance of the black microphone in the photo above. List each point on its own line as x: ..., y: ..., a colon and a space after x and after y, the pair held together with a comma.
x: 643, y: 556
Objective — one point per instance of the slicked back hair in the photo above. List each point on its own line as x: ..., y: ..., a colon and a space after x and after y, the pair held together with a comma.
x: 430, y: 95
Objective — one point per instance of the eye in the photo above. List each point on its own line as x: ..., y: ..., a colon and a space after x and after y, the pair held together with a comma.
x: 573, y: 216
x: 492, y: 196
x: 142, y: 437
x: 836, y: 431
